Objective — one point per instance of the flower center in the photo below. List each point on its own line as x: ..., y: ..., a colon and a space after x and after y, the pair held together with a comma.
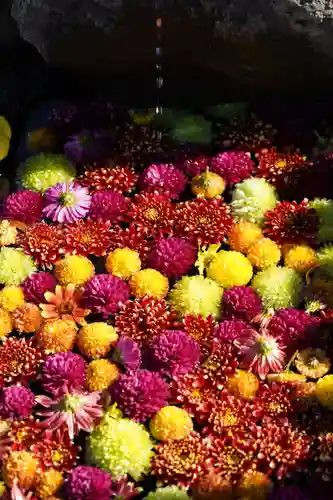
x: 313, y: 362
x: 72, y: 403
x: 229, y: 419
x: 264, y: 347
x: 68, y: 199
x: 151, y: 214
x: 281, y: 164
x: 57, y: 457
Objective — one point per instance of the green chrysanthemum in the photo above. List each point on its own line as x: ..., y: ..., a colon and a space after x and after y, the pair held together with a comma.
x: 42, y: 171
x: 278, y: 287
x: 196, y: 295
x: 252, y: 198
x: 325, y: 259
x: 15, y: 266
x: 168, y: 493
x: 121, y: 446
x: 324, y: 209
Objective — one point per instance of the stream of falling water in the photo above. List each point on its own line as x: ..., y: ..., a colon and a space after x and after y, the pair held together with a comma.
x: 159, y: 57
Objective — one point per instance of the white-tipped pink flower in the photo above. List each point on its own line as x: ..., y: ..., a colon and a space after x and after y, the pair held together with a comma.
x: 77, y: 410
x: 66, y: 202
x: 261, y: 353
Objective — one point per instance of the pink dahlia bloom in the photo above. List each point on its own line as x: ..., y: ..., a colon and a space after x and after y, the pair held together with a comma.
x: 261, y: 353
x: 241, y: 302
x: 63, y: 372
x: 140, y: 394
x: 77, y: 410
x: 104, y: 294
x: 162, y: 178
x: 229, y: 331
x: 173, y: 256
x: 36, y: 285
x: 233, y: 166
x: 24, y: 206
x: 84, y: 482
x: 289, y: 325
x: 66, y: 202
x: 108, y: 205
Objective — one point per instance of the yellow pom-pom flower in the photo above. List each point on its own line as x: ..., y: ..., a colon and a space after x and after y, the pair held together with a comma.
x: 101, y: 373
x: 230, y: 268
x: 96, y: 340
x: 171, y: 423
x: 254, y: 485
x: 243, y: 235
x: 50, y: 482
x: 20, y: 466
x: 149, y: 282
x: 244, y: 384
x: 301, y: 258
x: 11, y: 297
x: 74, y: 269
x: 324, y: 391
x: 6, y: 323
x: 8, y: 233
x: 123, y: 263
x: 57, y: 336
x: 264, y: 253
x: 196, y: 295
x: 15, y: 266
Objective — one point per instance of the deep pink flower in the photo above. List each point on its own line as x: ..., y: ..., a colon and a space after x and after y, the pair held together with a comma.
x: 63, y: 372
x: 233, y: 166
x: 24, y: 206
x: 228, y: 331
x: 16, y: 402
x: 88, y: 483
x: 108, y: 205
x: 36, y: 285
x: 163, y: 178
x: 289, y: 325
x: 66, y: 202
x: 127, y: 353
x: 241, y: 302
x: 104, y: 294
x: 173, y: 256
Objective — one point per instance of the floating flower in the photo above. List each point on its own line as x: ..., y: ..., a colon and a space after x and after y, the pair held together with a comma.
x: 117, y: 178
x: 104, y: 294
x: 123, y: 263
x: 276, y: 167
x: 16, y: 402
x: 15, y: 266
x: 127, y: 354
x: 241, y: 302
x: 49, y: 483
x: 76, y: 410
x: 230, y: 330
x: 212, y: 486
x: 95, y: 340
x: 208, y: 185
x: 173, y: 256
x: 229, y: 268
x: 275, y: 401
x: 252, y: 198
x: 43, y: 242
x: 289, y: 325
x: 74, y: 269
x: 24, y: 206
x: 85, y: 482
x: 196, y: 166
x: 11, y: 298
x: 243, y: 235
x: 243, y: 384
x: 140, y: 394
x: 233, y: 166
x: 201, y: 329
x: 101, y: 374
x: 55, y: 450
x: 64, y: 304
x: 87, y: 237
x: 171, y: 423
x: 254, y: 485
x: 63, y: 372
x: 261, y: 353
x: 203, y: 221
x: 278, y: 287
x: 108, y: 205
x: 173, y: 353
x: 27, y: 318
x: 133, y: 238
x: 150, y: 283
x: 42, y: 171
x: 324, y: 210
x: 324, y: 391
x: 36, y: 285
x: 301, y: 258
x: 152, y: 212
x: 20, y: 468
x: 264, y: 253
x: 66, y: 202
x: 313, y: 363
x: 143, y: 318
x: 168, y: 493
x: 19, y: 360
x: 8, y: 233
x: 57, y: 335
x: 162, y: 178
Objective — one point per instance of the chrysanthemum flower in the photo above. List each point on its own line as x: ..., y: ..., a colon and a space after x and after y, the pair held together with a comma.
x: 290, y: 222
x: 168, y: 493
x: 149, y: 283
x: 203, y: 221
x: 85, y: 482
x: 243, y: 235
x: 173, y: 256
x: 275, y: 401
x: 233, y: 166
x: 74, y: 269
x: 131, y: 237
x: 6, y: 323
x: 20, y: 469
x: 289, y: 325
x: 162, y: 178
x: 241, y: 302
x: 55, y: 450
x: 211, y: 486
x: 140, y: 394
x: 24, y: 206
x: 301, y: 258
x: 101, y: 373
x: 127, y: 353
x: 104, y: 294
x: 230, y: 330
x: 143, y: 318
x: 11, y: 297
x: 16, y: 402
x: 49, y: 483
x: 108, y: 205
x: 152, y: 212
x: 19, y: 360
x: 63, y: 372
x: 261, y: 353
x: 276, y: 166
x: 87, y: 237
x: 264, y: 253
x: 95, y: 340
x: 117, y: 178
x: 57, y: 335
x: 313, y: 363
x: 201, y: 329
x: 248, y: 133
x: 43, y: 242
x: 76, y: 411
x: 278, y: 287
x: 197, y: 165
x: 252, y: 198
x: 123, y: 263
x: 229, y: 269
x: 8, y: 233
x: 171, y: 423
x: 324, y: 210
x: 36, y: 285
x: 64, y: 304
x: 15, y: 266
x: 243, y: 384
x: 66, y: 202
x: 27, y: 318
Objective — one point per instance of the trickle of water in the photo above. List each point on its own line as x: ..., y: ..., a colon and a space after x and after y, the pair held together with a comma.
x: 158, y: 65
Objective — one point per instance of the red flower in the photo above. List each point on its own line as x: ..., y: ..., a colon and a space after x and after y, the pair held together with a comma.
x: 153, y: 213
x: 121, y: 179
x: 87, y: 237
x: 203, y: 221
x: 201, y: 329
x: 56, y: 451
x: 19, y: 360
x: 132, y: 237
x: 275, y: 401
x: 276, y: 167
x: 43, y: 242
x: 290, y: 222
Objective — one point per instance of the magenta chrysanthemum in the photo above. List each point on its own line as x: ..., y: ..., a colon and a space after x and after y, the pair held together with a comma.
x: 173, y: 353
x: 16, y: 402
x: 108, y: 205
x: 24, y: 206
x: 289, y: 325
x: 241, y: 302
x: 139, y: 395
x: 127, y: 353
x: 232, y: 166
x: 35, y: 286
x: 63, y: 372
x: 104, y: 294
x: 195, y: 166
x: 173, y: 256
x: 66, y: 202
x: 228, y: 331
x: 86, y: 482
x: 162, y: 178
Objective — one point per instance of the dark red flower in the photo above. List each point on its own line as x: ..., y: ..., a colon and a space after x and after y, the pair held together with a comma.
x: 43, y: 242
x: 276, y: 167
x: 19, y: 359
x: 98, y: 178
x: 87, y: 237
x: 152, y: 212
x: 132, y: 237
x: 56, y: 451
